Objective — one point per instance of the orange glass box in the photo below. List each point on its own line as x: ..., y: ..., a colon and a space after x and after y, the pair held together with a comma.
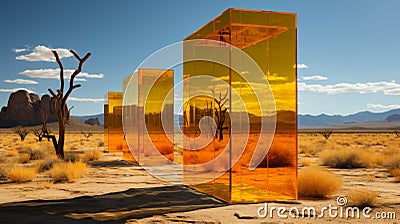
x: 269, y: 38
x: 113, y: 133
x: 147, y: 97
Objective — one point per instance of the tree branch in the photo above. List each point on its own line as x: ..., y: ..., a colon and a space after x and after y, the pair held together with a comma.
x: 61, y: 70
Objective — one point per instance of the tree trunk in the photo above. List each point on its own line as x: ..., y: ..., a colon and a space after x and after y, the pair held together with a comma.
x: 221, y: 136
x: 60, y: 145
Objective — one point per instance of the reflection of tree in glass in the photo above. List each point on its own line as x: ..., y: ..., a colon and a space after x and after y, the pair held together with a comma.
x: 220, y: 113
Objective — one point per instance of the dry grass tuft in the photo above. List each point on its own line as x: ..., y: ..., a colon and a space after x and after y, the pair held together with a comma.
x: 21, y: 174
x: 396, y: 174
x: 72, y: 157
x: 24, y: 158
x: 46, y: 165
x: 12, y: 152
x: 69, y: 172
x: 393, y: 162
x: 362, y: 198
x: 317, y: 183
x: 347, y: 158
x: 91, y: 156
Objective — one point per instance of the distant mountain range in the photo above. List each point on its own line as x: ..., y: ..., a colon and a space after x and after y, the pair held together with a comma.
x: 366, y: 119
x: 352, y: 120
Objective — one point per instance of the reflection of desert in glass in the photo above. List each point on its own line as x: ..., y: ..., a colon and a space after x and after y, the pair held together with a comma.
x: 146, y: 102
x: 269, y: 38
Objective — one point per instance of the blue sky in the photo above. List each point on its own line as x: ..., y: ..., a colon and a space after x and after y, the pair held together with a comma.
x: 350, y: 48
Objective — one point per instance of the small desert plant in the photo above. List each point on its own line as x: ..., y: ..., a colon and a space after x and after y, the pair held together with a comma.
x: 12, y: 152
x: 347, y: 158
x: 317, y: 183
x: 396, y: 174
x: 397, y: 133
x: 46, y: 165
x: 72, y: 157
x: 362, y: 198
x: 24, y: 158
x: 91, y: 156
x: 21, y: 174
x: 38, y: 132
x: 3, y: 172
x: 37, y: 154
x: 393, y: 162
x: 70, y: 172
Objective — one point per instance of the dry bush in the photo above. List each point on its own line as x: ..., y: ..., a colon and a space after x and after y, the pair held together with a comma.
x: 306, y: 162
x: 347, y: 158
x: 396, y: 174
x: 317, y: 183
x: 75, y: 171
x: 46, y: 164
x: 70, y: 172
x: 21, y: 174
x: 362, y: 198
x: 12, y: 152
x: 91, y: 156
x: 392, y: 162
x: 37, y: 154
x: 72, y: 157
x: 3, y: 172
x: 24, y: 158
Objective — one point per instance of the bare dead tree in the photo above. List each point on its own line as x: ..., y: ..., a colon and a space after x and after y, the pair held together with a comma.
x: 38, y: 133
x: 61, y: 109
x: 326, y: 134
x: 220, y: 114
x: 22, y: 132
x: 397, y: 133
x: 87, y: 135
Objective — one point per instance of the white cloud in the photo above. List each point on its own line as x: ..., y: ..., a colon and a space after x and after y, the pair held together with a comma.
x: 20, y: 50
x: 380, y: 106
x: 314, y: 78
x: 92, y: 100
x: 80, y: 80
x: 388, y: 88
x: 15, y: 90
x: 43, y: 53
x: 21, y: 81
x: 55, y: 74
x: 302, y: 66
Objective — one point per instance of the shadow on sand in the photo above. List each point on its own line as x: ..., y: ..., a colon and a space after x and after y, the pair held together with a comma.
x: 108, y: 208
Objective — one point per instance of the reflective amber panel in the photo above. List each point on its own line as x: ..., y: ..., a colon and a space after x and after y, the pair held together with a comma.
x: 113, y: 132
x: 269, y: 38
x: 146, y: 102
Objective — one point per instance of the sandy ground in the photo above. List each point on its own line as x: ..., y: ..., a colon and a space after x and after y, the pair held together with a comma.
x: 114, y: 191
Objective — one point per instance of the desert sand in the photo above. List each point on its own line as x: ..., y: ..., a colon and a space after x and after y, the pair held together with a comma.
x: 114, y: 191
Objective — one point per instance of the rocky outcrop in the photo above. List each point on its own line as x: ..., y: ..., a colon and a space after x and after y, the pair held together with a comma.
x: 27, y: 109
x: 93, y: 122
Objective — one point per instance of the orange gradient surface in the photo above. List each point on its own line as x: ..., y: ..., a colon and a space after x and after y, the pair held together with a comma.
x: 270, y: 39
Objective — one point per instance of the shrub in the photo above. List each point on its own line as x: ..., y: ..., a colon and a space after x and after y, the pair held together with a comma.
x: 24, y: 158
x: 21, y: 174
x: 396, y: 174
x: 75, y: 171
x: 72, y: 157
x: 317, y: 183
x: 45, y: 165
x: 91, y: 156
x: 392, y: 162
x: 347, y: 158
x: 12, y: 152
x: 70, y: 172
x: 38, y: 154
x: 362, y: 198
